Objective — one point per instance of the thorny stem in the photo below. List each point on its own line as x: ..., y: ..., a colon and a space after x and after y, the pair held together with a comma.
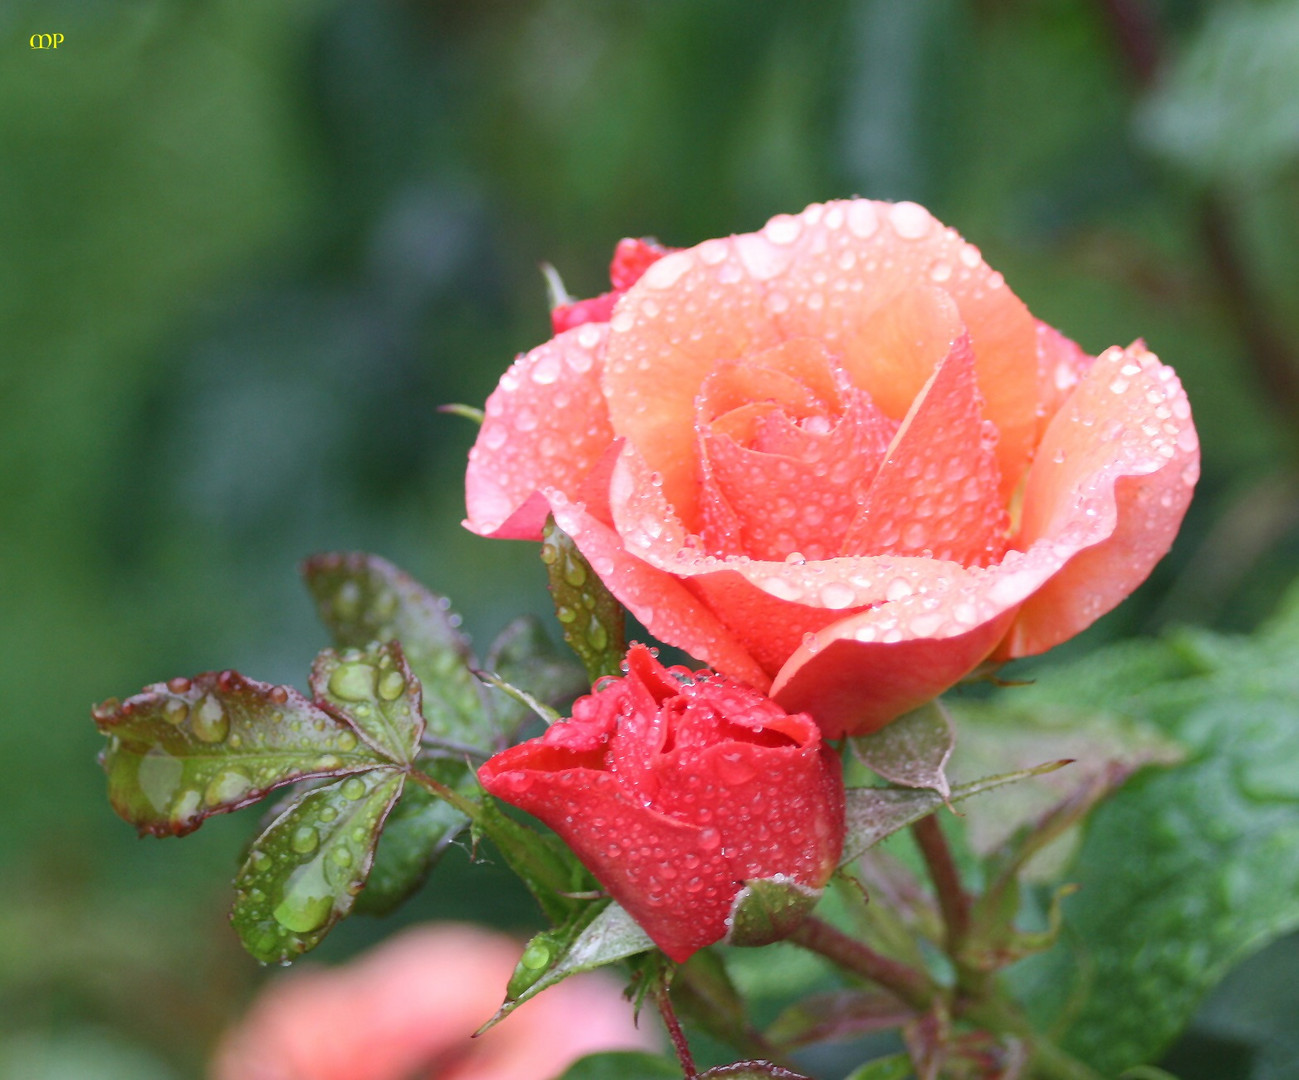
x: 675, y: 1033
x: 953, y: 900
x: 904, y: 982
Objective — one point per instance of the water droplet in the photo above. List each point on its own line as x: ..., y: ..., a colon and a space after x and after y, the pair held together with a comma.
x: 574, y: 572
x: 159, y: 776
x: 909, y: 220
x: 835, y: 594
x: 783, y: 229
x: 178, y: 685
x: 341, y: 855
x: 862, y: 219
x: 346, y: 742
x: 307, y: 902
x: 668, y: 270
x: 352, y: 682
x: 353, y: 788
x: 709, y: 839
x: 777, y: 303
x: 328, y: 813
x: 305, y: 839
x: 228, y: 786
x: 596, y: 634
x: 545, y: 370
x: 392, y: 685
x: 210, y: 723
x: 258, y: 861
x: 940, y: 272
x: 732, y: 768
x: 175, y: 711
x: 347, y: 601
x: 186, y: 807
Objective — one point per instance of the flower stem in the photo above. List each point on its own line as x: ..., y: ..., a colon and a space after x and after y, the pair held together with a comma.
x: 953, y: 900
x: 675, y: 1033
x: 904, y: 982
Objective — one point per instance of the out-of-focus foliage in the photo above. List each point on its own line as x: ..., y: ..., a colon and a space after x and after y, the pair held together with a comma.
x: 247, y: 249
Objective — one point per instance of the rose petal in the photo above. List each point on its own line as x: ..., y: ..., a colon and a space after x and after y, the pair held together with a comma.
x: 546, y: 425
x: 666, y: 608
x: 1111, y: 483
x: 1061, y: 364
x: 860, y: 276
x: 937, y: 491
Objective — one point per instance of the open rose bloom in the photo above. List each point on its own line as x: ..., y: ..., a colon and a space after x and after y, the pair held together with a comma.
x: 839, y: 460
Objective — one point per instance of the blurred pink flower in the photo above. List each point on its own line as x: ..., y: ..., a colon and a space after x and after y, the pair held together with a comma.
x: 407, y: 1008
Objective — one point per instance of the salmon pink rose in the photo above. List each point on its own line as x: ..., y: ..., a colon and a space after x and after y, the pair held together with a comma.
x: 839, y: 459
x: 407, y: 1010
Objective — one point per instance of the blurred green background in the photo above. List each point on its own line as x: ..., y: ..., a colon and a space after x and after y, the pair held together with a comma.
x: 247, y: 249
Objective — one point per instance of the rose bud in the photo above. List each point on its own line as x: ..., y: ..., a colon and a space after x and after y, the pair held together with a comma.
x: 674, y: 788
x: 840, y: 460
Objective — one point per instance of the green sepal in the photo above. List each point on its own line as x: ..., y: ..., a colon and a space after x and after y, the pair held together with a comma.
x: 303, y: 873
x: 594, y: 937
x: 376, y: 689
x: 874, y: 813
x: 769, y: 909
x: 183, y: 750
x: 417, y: 832
x: 592, y: 619
x: 363, y: 599
x: 913, y: 750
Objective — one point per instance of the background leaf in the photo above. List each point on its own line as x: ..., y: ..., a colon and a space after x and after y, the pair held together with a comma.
x: 592, y: 619
x: 181, y: 751
x: 524, y: 656
x: 623, y: 1065
x: 1186, y: 870
x: 303, y: 873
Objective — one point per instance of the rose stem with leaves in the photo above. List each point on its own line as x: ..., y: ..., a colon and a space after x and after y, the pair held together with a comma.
x: 953, y: 900
x: 904, y: 982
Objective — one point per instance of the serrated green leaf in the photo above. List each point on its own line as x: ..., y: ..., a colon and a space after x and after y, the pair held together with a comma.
x: 622, y: 1065
x: 416, y: 833
x: 592, y: 619
x: 608, y: 936
x: 873, y: 813
x: 751, y: 1070
x: 376, y: 689
x: 912, y: 750
x: 363, y: 598
x: 524, y: 656
x: 183, y: 750
x: 893, y: 1067
x: 1187, y: 870
x: 304, y: 871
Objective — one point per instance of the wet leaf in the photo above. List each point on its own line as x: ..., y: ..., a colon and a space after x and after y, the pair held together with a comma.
x: 589, y: 942
x: 873, y: 813
x: 913, y: 750
x: 363, y: 598
x: 592, y: 619
x: 302, y: 874
x: 769, y: 909
x: 623, y: 1065
x: 416, y: 833
x: 542, y: 861
x: 183, y: 750
x: 376, y: 689
x: 751, y: 1070
x: 523, y: 656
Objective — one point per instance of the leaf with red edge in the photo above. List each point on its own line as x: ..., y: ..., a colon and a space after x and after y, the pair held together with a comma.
x: 183, y: 750
x: 303, y: 873
x: 377, y: 690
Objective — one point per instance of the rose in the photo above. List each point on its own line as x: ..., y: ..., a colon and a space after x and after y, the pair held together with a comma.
x: 839, y: 460
x: 409, y: 1008
x: 674, y: 788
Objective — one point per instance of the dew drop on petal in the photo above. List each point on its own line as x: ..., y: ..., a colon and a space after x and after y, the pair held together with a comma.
x: 909, y: 220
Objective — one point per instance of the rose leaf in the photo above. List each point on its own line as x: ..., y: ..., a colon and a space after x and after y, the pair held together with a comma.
x: 913, y: 750
x: 893, y: 1067
x: 420, y: 828
x: 836, y: 1017
x: 303, y: 873
x: 183, y: 750
x: 597, y: 937
x: 376, y: 689
x: 362, y: 599
x: 873, y: 813
x: 593, y: 620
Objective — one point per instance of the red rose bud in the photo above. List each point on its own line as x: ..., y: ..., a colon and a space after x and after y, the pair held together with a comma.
x: 631, y: 258
x: 675, y: 788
